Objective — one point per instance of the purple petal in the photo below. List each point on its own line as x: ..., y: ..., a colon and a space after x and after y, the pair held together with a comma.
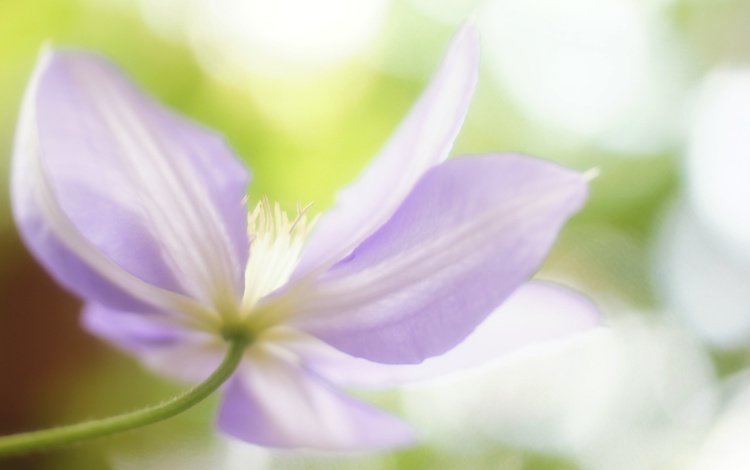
x: 536, y: 313
x: 168, y: 349
x: 131, y: 330
x: 114, y: 193
x: 274, y: 403
x: 471, y: 232
x: 423, y: 139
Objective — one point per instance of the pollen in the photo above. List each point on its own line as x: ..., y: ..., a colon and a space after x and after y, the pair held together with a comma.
x: 276, y: 242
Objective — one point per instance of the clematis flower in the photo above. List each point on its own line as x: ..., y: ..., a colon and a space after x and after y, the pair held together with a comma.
x: 142, y: 214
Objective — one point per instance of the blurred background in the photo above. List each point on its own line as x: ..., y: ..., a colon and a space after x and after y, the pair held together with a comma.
x: 653, y: 93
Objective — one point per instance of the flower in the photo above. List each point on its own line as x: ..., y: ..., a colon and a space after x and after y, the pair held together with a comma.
x: 142, y: 214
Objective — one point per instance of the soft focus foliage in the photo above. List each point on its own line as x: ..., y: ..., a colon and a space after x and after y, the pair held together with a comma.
x: 653, y: 93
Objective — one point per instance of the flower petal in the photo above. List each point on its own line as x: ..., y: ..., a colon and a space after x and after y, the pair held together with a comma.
x: 471, y: 232
x: 538, y: 312
x: 111, y: 189
x: 161, y: 345
x: 273, y: 402
x: 423, y: 139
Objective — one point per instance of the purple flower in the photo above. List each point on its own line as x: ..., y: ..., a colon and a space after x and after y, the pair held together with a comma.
x: 142, y: 214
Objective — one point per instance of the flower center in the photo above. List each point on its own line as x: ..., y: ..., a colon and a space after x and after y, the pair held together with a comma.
x: 276, y: 242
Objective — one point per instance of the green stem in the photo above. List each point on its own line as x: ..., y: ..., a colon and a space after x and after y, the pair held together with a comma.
x: 64, y: 435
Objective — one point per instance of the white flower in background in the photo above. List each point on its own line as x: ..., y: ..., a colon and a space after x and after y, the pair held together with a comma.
x: 241, y: 36
x: 270, y: 37
x: 704, y: 283
x: 629, y: 397
x: 703, y: 259
x: 598, y: 69
x: 725, y: 447
x: 718, y: 157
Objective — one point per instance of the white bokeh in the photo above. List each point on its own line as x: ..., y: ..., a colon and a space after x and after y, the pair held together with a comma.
x: 270, y: 37
x: 702, y: 281
x: 702, y: 258
x: 452, y: 12
x: 631, y: 396
x: 718, y: 157
x: 281, y: 38
x: 725, y: 446
x: 600, y: 69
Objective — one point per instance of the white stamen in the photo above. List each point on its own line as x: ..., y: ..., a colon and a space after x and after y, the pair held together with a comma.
x: 275, y: 245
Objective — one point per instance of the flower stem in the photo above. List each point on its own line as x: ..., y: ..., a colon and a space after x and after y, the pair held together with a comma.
x: 65, y: 435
